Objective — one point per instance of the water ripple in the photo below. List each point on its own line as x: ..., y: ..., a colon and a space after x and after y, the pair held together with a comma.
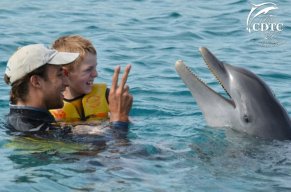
x: 169, y: 141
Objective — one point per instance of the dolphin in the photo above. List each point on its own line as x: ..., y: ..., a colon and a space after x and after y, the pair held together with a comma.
x: 251, y: 107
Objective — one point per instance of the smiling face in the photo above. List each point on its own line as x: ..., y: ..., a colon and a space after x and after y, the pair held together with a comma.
x: 82, y: 72
x: 53, y: 87
x: 81, y: 77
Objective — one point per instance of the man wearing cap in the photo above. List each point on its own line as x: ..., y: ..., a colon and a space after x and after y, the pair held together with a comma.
x: 36, y: 76
x: 37, y: 79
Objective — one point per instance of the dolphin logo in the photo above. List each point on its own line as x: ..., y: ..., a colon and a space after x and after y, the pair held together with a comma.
x: 263, y: 8
x: 251, y: 107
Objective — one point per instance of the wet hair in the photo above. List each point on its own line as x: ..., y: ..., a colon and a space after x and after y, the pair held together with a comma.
x: 74, y: 43
x: 20, y: 88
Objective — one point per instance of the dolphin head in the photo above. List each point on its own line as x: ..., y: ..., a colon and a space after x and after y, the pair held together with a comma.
x: 251, y: 106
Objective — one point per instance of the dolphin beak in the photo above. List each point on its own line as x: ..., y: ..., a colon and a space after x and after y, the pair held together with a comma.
x: 206, y: 97
x: 216, y: 67
x: 198, y: 86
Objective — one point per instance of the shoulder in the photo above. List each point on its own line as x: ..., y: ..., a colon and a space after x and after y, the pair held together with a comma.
x: 26, y: 119
x: 104, y: 87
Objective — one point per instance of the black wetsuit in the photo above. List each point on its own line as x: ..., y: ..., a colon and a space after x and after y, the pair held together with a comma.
x: 30, y: 121
x: 33, y: 121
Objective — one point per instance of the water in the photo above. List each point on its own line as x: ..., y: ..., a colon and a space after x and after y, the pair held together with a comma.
x: 169, y: 146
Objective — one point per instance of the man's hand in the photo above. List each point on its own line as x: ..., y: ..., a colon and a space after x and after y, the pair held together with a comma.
x: 120, y: 101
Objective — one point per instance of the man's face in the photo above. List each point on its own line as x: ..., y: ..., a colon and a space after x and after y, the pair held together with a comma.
x: 82, y: 77
x: 54, y: 86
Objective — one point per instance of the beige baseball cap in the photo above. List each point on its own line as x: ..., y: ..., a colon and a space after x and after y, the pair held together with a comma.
x: 30, y: 57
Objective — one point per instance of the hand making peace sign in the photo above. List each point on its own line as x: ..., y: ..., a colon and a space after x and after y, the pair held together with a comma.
x: 120, y: 101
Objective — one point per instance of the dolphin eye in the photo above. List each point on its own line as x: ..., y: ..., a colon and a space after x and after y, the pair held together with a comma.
x: 246, y: 118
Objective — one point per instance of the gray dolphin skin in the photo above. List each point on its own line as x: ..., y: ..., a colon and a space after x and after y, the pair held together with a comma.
x: 251, y: 107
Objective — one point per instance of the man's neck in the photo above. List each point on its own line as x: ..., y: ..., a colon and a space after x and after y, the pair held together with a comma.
x: 31, y: 104
x: 30, y: 101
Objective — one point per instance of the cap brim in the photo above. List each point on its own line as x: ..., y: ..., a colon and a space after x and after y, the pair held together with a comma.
x: 61, y: 58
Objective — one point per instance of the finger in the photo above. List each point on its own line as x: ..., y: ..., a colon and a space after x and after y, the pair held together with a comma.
x: 126, y: 88
x: 124, y: 77
x: 130, y: 100
x: 115, y: 78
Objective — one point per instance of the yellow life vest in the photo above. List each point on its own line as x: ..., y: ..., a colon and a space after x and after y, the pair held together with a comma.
x: 95, y: 107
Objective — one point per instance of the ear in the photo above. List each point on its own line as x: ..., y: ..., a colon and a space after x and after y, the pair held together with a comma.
x: 35, y: 81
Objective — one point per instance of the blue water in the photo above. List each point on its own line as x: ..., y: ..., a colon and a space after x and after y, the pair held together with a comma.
x: 169, y: 146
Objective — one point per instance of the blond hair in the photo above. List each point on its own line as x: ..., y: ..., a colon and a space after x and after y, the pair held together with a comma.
x: 74, y: 43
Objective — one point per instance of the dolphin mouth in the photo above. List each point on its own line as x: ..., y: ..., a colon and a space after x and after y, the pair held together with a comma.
x: 215, y: 66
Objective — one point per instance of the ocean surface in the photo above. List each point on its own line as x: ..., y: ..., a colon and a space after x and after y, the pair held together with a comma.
x: 169, y: 147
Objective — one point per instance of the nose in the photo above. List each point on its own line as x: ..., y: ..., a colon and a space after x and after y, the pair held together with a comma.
x: 94, y: 73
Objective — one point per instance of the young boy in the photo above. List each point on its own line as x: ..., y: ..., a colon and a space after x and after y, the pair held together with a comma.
x: 84, y: 100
